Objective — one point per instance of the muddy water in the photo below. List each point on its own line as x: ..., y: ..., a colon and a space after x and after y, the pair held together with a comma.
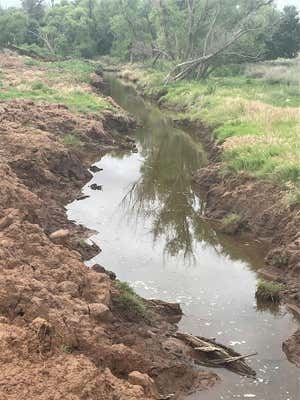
x: 151, y: 235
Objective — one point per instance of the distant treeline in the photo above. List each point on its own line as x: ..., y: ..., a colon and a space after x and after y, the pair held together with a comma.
x: 195, y: 35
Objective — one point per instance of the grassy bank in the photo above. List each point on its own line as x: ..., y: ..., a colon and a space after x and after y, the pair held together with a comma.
x: 65, y: 82
x: 254, y: 115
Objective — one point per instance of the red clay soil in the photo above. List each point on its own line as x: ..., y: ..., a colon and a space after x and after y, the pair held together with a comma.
x: 61, y: 334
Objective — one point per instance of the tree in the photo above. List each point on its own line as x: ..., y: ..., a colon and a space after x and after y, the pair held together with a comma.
x: 13, y: 24
x: 285, y: 40
x: 217, y: 33
x: 34, y: 8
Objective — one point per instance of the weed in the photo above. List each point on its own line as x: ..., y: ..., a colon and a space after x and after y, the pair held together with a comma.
x: 72, y: 140
x: 31, y: 62
x: 129, y: 303
x: 65, y: 348
x: 268, y: 291
x: 231, y: 223
x: 294, y: 197
x: 280, y: 260
x: 39, y: 85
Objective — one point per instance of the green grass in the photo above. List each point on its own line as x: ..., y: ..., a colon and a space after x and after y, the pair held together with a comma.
x: 268, y: 291
x: 76, y: 70
x: 230, y: 219
x: 129, y: 303
x: 76, y: 100
x: 58, y: 82
x: 236, y: 128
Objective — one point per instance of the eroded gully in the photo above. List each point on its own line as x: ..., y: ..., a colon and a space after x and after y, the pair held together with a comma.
x: 151, y: 235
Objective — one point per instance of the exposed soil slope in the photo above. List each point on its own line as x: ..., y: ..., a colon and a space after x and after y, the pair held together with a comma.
x: 62, y: 336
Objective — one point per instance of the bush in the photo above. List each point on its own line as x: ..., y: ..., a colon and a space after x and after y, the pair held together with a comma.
x: 129, y: 303
x: 268, y: 291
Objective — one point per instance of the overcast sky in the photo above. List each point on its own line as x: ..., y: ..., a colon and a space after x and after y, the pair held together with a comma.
x: 281, y: 3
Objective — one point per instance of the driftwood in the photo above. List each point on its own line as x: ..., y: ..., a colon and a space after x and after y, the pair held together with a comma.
x: 212, y: 354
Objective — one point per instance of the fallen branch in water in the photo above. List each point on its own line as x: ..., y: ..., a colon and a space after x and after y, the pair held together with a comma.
x: 210, y: 353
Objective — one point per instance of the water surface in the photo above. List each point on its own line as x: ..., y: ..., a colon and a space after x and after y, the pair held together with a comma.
x: 151, y: 234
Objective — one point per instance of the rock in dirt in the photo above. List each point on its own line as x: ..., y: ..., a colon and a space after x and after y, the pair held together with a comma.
x: 60, y: 235
x: 100, y: 312
x: 99, y: 268
x: 291, y: 347
x: 143, y: 380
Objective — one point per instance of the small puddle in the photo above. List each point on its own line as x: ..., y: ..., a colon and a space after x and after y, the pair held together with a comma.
x: 151, y: 235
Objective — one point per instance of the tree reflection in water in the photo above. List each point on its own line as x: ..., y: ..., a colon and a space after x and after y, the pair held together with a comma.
x: 163, y: 194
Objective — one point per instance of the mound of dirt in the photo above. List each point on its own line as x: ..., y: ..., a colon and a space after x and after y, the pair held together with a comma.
x: 291, y: 348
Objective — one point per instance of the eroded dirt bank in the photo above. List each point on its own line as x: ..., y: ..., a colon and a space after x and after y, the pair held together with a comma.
x: 63, y: 334
x: 261, y: 206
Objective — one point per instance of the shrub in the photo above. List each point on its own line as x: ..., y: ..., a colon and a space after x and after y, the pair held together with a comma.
x: 268, y: 291
x: 38, y: 85
x: 129, y: 303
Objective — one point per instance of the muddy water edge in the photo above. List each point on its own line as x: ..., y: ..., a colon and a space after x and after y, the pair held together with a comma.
x: 151, y: 233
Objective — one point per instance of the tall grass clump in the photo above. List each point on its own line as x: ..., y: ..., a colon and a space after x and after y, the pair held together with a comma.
x: 129, y: 303
x: 268, y: 291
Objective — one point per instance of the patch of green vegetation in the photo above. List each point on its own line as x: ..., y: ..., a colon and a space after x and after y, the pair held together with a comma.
x: 231, y: 224
x: 294, y: 197
x: 280, y: 260
x: 129, y: 303
x: 30, y: 62
x: 76, y: 100
x: 268, y: 291
x: 40, y: 51
x: 230, y: 219
x: 77, y: 70
x: 72, y: 140
x: 236, y: 128
x: 39, y: 85
x: 66, y: 349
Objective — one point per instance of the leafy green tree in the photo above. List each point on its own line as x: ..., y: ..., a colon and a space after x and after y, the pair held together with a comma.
x: 67, y: 30
x: 34, y: 8
x: 285, y: 40
x: 13, y: 23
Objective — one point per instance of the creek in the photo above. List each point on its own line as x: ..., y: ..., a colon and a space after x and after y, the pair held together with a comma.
x: 149, y: 227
